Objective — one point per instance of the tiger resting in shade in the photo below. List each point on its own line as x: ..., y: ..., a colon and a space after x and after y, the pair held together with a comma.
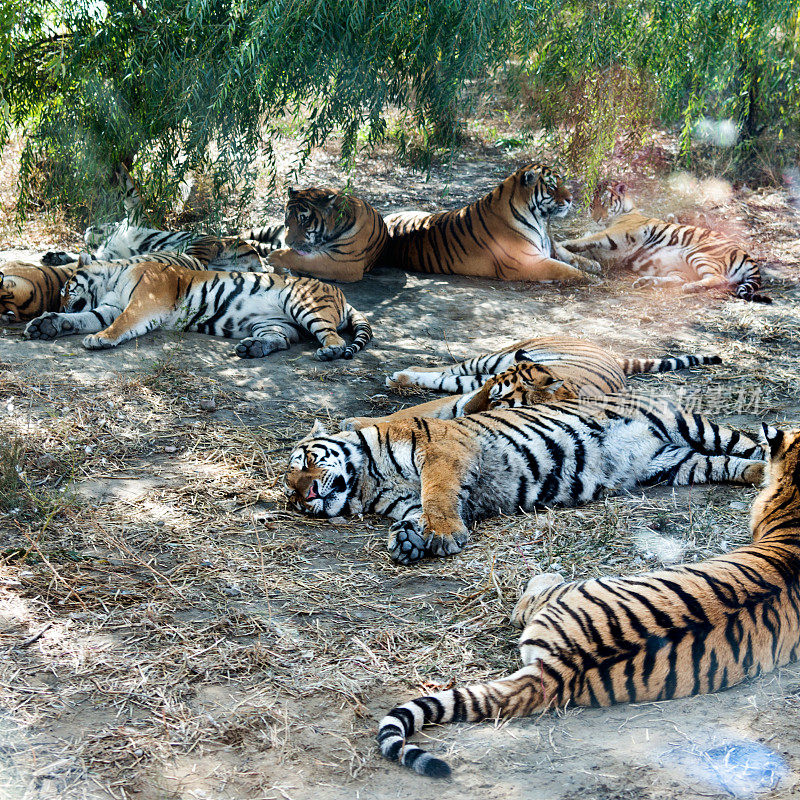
x: 674, y: 632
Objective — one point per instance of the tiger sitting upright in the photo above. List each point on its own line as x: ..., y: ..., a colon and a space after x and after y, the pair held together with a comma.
x: 502, y: 236
x: 330, y: 235
x: 114, y: 301
x: 660, y: 252
x: 574, y: 364
x: 674, y: 632
x: 437, y: 477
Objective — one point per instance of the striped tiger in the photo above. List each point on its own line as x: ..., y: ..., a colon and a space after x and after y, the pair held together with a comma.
x: 582, y: 366
x: 330, y: 235
x: 675, y: 632
x: 28, y: 290
x: 667, y: 253
x: 437, y: 477
x: 114, y: 301
x: 124, y: 240
x: 503, y: 235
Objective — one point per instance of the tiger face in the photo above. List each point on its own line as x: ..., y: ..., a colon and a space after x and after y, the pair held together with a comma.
x: 541, y: 190
x: 311, y: 217
x: 610, y: 202
x: 80, y: 293
x: 321, y: 477
x: 526, y: 384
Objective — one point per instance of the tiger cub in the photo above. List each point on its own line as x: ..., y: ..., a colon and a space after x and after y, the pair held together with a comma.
x: 678, y: 631
x: 330, y: 235
x: 437, y: 477
x: 584, y: 367
x: 660, y: 252
x: 113, y: 301
x: 123, y: 240
x: 502, y: 236
x: 28, y: 290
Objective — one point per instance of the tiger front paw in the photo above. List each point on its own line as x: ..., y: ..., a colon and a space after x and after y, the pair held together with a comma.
x: 49, y: 326
x: 332, y: 352
x: 57, y: 258
x: 406, y: 542
x: 445, y: 537
x: 754, y: 474
x: 588, y: 265
x: 397, y: 380
x: 96, y: 342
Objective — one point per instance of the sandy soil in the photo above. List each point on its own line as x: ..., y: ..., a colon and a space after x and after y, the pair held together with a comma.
x: 198, y: 640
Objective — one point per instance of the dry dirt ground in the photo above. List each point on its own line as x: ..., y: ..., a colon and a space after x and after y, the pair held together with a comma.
x: 171, y: 630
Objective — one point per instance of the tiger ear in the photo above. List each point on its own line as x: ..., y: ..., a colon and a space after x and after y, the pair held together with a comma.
x: 772, y: 437
x: 553, y: 386
x: 293, y: 192
x: 521, y: 355
x: 620, y: 188
x: 530, y: 177
x: 318, y: 429
x: 84, y: 259
x: 329, y: 200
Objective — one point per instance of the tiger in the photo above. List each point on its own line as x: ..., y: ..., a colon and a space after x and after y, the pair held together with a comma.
x: 667, y: 253
x: 584, y: 366
x: 330, y: 235
x: 114, y: 301
x: 124, y: 240
x: 674, y: 632
x: 503, y: 236
x: 437, y: 477
x: 28, y: 290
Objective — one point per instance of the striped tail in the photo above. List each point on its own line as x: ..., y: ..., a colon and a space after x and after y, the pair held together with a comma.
x: 516, y: 696
x: 636, y: 366
x: 362, y: 331
x: 264, y: 240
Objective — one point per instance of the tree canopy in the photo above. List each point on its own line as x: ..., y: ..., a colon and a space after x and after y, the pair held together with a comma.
x: 169, y: 86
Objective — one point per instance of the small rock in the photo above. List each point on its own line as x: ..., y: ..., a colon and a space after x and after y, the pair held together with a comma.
x: 646, y: 319
x: 737, y: 505
x: 231, y: 591
x: 170, y: 449
x: 338, y: 520
x: 208, y: 404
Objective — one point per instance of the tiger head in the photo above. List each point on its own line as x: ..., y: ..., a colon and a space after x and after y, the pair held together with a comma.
x: 610, y: 202
x: 778, y: 504
x: 314, y: 217
x: 539, y: 189
x: 522, y: 384
x: 83, y: 290
x: 323, y: 472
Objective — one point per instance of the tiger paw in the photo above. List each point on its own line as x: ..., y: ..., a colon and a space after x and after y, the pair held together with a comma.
x: 588, y: 265
x: 56, y: 258
x: 754, y: 474
x: 47, y: 327
x: 95, y: 342
x: 444, y: 537
x: 252, y: 348
x: 399, y: 379
x: 406, y: 542
x: 331, y: 353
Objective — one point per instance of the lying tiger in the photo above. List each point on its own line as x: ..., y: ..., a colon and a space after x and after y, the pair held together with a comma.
x: 330, y: 235
x: 503, y: 235
x: 28, y: 290
x: 666, y: 253
x: 113, y: 301
x: 437, y: 477
x: 123, y: 240
x: 659, y: 635
x: 560, y: 362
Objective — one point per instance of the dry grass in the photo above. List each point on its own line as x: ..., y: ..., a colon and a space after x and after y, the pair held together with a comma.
x: 174, y: 631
